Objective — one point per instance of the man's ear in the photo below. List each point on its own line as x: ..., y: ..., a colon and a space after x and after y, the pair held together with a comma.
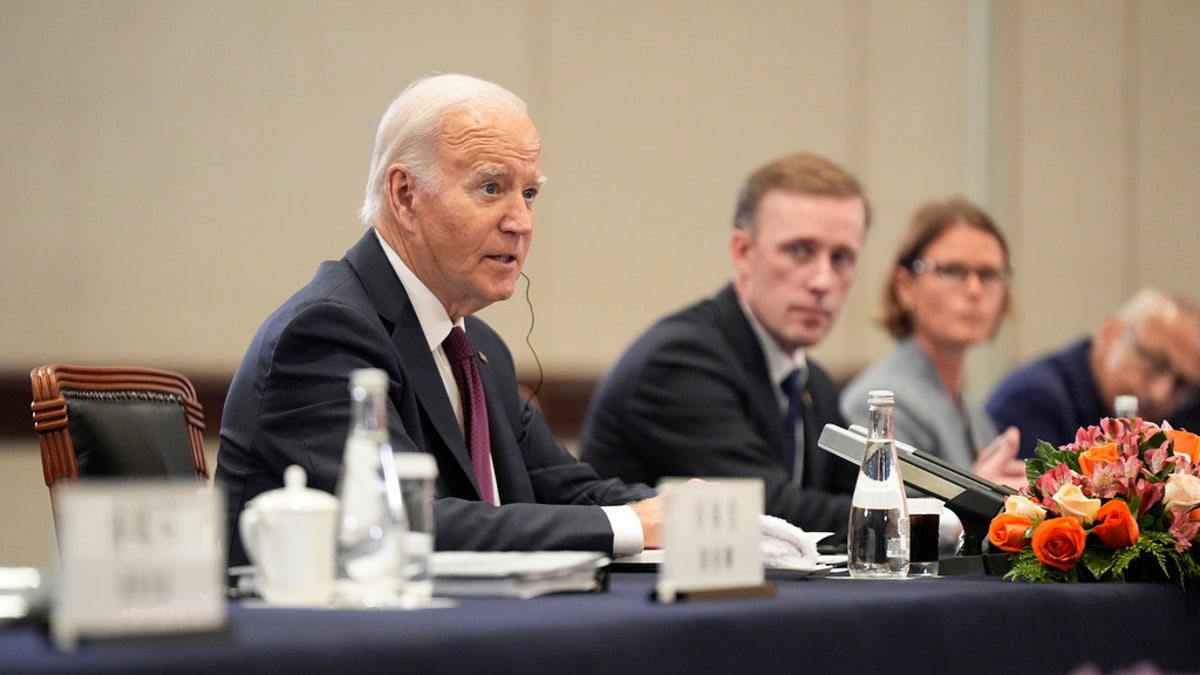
x: 1105, y: 356
x: 400, y: 195
x: 1110, y: 332
x: 739, y: 249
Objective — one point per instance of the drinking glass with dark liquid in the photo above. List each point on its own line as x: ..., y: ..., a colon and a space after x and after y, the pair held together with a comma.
x: 924, y: 525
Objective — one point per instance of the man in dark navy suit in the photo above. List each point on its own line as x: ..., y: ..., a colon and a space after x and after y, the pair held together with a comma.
x: 449, y: 201
x: 724, y: 387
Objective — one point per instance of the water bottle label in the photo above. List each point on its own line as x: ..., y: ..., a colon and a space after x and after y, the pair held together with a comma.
x: 875, y: 494
x: 897, y: 547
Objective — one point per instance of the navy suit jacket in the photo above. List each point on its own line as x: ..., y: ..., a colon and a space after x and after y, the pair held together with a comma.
x: 1053, y: 396
x: 692, y: 397
x: 1050, y: 398
x: 289, y: 403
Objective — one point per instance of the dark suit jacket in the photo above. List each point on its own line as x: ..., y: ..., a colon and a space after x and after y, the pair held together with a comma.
x: 1188, y: 415
x: 289, y: 403
x: 692, y: 397
x: 1050, y: 398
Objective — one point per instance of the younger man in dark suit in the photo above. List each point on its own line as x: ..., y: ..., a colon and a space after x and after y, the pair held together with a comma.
x: 702, y: 392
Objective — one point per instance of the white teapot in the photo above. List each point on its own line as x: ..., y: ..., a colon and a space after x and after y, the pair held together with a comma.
x: 290, y: 534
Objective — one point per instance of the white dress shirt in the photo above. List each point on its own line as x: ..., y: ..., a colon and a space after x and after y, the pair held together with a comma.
x: 436, y: 324
x: 780, y: 365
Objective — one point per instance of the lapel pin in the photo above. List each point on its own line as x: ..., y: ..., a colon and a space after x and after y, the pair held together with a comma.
x: 483, y: 357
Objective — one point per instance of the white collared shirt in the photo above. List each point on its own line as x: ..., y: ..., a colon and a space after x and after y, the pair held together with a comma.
x: 436, y: 325
x: 628, y: 538
x: 780, y: 364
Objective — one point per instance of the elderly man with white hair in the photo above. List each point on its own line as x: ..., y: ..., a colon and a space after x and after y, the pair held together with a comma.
x: 449, y: 203
x: 1149, y: 348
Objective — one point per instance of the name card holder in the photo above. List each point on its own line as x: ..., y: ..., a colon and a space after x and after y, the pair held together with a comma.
x: 137, y: 558
x: 712, y: 540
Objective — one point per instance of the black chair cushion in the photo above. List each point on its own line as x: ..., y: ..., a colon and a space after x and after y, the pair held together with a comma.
x: 129, y: 434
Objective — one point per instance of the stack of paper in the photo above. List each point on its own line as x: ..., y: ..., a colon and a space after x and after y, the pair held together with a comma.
x: 516, y: 574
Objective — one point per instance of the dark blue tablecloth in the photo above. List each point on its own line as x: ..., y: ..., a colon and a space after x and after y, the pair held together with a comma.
x: 969, y: 624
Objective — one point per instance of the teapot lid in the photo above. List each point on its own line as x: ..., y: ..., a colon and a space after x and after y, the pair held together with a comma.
x: 295, y: 495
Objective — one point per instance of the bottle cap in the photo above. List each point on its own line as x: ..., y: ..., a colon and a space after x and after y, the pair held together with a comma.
x: 1125, y: 406
x: 370, y: 378
x: 881, y: 397
x: 417, y: 465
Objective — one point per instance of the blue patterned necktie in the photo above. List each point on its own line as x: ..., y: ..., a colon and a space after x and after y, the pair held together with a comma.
x: 793, y: 426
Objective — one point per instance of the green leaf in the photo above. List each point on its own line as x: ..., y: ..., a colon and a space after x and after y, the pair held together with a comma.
x: 1098, y: 560
x: 1042, y: 448
x: 1121, y: 560
x: 1154, y: 441
x: 1041, y: 462
x: 1024, y: 566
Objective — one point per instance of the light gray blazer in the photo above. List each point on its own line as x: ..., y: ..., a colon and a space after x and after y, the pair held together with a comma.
x: 925, y: 414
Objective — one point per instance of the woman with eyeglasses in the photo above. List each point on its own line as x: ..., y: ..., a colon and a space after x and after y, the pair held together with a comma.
x: 948, y: 292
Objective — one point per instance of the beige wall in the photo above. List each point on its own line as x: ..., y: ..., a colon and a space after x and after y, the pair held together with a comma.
x: 172, y: 170
x: 26, y: 526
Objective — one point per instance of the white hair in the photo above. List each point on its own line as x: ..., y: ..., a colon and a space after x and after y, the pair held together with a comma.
x: 408, y: 131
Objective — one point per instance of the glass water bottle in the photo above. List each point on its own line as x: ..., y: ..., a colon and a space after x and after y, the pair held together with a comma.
x: 877, y: 546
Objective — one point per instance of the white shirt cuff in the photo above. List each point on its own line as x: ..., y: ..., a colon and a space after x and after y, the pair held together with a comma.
x: 627, y: 530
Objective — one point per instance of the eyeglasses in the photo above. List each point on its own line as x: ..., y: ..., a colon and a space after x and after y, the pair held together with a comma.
x: 956, y: 274
x: 1159, y: 365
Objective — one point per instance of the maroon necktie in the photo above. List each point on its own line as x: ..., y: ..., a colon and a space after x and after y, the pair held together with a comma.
x: 470, y: 388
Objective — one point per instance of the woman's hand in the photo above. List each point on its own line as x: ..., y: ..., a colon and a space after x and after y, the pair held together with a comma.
x: 998, y: 462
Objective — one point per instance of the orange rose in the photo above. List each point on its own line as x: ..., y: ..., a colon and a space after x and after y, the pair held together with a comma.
x: 1185, y: 443
x: 1007, y: 532
x: 1058, y: 542
x: 1115, y: 526
x: 1194, y: 515
x: 1095, y: 454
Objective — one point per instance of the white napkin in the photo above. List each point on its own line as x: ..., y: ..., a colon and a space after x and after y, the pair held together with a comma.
x: 785, y: 545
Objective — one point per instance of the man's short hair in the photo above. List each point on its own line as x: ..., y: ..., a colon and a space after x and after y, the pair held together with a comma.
x: 408, y: 131
x: 800, y: 173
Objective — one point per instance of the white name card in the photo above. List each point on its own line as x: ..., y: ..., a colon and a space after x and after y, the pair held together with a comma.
x: 711, y: 536
x: 137, y: 558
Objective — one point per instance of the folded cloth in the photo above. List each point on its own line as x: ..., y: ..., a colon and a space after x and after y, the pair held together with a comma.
x: 785, y: 545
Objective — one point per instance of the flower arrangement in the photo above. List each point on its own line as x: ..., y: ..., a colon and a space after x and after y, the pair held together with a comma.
x: 1124, y: 498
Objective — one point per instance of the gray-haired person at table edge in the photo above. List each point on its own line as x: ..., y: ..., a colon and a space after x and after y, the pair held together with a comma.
x: 449, y: 200
x: 701, y: 392
x: 1148, y: 348
x: 947, y: 292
